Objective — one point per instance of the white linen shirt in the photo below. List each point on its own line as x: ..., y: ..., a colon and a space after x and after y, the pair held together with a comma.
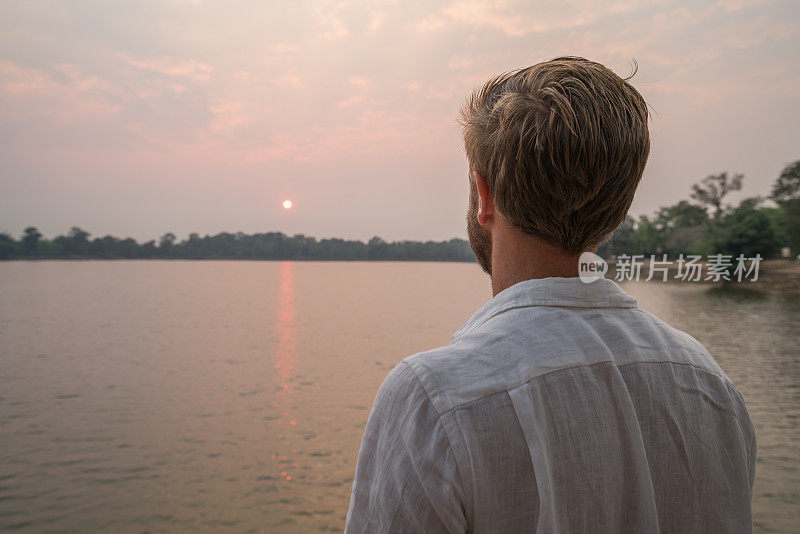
x: 558, y: 407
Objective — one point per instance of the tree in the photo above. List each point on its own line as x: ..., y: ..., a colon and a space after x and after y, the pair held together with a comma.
x: 166, y: 243
x: 622, y: 241
x: 776, y: 220
x: 75, y: 243
x: 149, y: 250
x: 683, y: 214
x: 787, y: 186
x: 7, y: 246
x: 30, y: 241
x: 714, y: 188
x: 681, y: 225
x: 127, y: 248
x: 746, y: 230
x: 377, y: 249
x: 193, y: 247
x: 103, y: 247
x: 786, y: 193
x: 80, y: 240
x: 649, y: 236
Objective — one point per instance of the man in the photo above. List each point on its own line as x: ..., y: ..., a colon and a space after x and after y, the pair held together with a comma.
x: 559, y: 406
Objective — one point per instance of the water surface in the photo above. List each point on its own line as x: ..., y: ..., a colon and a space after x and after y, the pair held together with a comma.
x: 231, y: 396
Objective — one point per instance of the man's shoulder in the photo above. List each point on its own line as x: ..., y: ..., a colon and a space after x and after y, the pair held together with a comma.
x: 522, y: 344
x: 483, y: 362
x: 687, y: 348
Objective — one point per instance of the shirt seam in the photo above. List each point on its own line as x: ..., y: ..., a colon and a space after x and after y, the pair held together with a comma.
x: 441, y: 424
x: 575, y: 366
x: 688, y: 337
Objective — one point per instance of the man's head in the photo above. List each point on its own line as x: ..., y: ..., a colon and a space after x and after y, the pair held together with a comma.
x: 559, y: 149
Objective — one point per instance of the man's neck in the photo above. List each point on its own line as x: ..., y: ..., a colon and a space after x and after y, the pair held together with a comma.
x: 517, y: 257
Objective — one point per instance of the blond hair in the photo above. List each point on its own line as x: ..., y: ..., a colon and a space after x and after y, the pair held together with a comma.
x: 562, y: 146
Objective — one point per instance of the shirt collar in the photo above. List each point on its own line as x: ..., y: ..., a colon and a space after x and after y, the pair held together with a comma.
x: 564, y: 292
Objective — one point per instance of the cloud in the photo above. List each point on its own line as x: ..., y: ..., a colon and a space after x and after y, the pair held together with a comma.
x: 330, y: 21
x: 288, y: 80
x: 63, y: 95
x: 430, y: 24
x: 359, y: 81
x: 17, y: 80
x: 349, y: 102
x: 284, y: 48
x: 191, y: 68
x: 460, y: 61
x: 517, y: 18
x: 157, y: 88
x: 226, y: 116
x: 496, y: 15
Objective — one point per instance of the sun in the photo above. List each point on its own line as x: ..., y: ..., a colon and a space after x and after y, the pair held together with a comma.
x: 287, y: 204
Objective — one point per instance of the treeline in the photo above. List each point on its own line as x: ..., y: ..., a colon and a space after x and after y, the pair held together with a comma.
x: 705, y: 225
x: 265, y: 246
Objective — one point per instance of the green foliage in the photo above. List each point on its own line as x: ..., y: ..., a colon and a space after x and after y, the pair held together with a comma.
x: 786, y: 192
x: 683, y: 215
x: 30, y: 241
x: 266, y: 246
x: 650, y: 236
x: 791, y: 223
x: 674, y: 230
x: 622, y: 242
x: 8, y: 247
x: 776, y: 222
x: 687, y: 228
x: 787, y: 186
x: 712, y: 189
x: 746, y: 230
x: 76, y: 243
x: 165, y: 244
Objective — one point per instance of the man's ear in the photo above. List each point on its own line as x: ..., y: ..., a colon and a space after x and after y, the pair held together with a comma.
x: 485, y: 201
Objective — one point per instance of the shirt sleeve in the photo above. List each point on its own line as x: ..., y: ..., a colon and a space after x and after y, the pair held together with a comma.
x: 407, y: 478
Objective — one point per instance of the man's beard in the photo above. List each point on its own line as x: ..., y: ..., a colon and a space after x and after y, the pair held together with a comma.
x: 479, y: 238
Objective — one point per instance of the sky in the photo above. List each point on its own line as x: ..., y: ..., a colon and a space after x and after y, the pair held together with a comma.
x: 142, y: 117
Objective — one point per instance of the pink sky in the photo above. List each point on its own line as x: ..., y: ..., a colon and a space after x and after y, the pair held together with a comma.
x: 204, y: 116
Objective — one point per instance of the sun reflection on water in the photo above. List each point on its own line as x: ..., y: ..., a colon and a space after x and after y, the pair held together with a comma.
x: 285, y: 360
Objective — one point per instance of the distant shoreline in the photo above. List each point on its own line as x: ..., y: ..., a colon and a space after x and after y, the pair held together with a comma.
x: 234, y: 246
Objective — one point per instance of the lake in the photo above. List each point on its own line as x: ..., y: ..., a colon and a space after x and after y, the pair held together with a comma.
x: 231, y: 396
